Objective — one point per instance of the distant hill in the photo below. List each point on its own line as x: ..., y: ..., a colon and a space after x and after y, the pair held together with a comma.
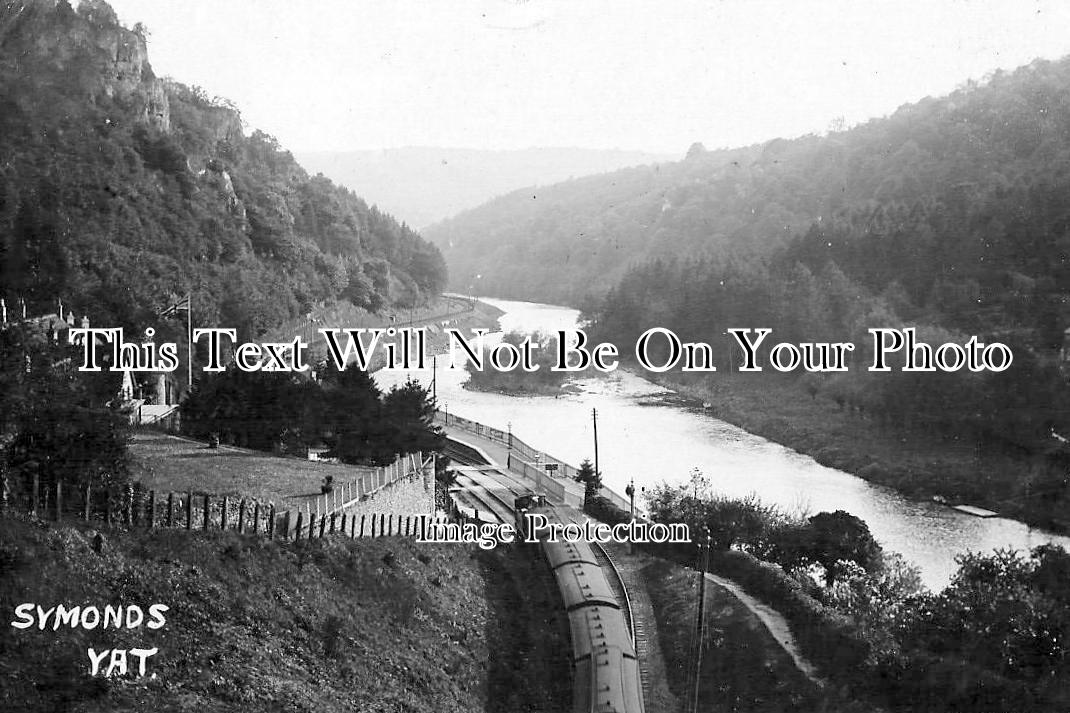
x: 121, y: 191
x: 422, y: 185
x: 962, y: 187
x: 950, y: 216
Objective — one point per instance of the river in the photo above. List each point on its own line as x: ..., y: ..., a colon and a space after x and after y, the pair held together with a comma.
x: 642, y: 438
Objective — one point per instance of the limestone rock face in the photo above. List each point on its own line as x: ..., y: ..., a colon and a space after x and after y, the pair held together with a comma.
x: 216, y: 176
x: 90, y: 47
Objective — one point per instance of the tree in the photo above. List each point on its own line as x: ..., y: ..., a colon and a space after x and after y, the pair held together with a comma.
x: 54, y: 422
x: 837, y: 537
x: 999, y: 620
x: 353, y: 418
x: 410, y: 412
x: 592, y: 481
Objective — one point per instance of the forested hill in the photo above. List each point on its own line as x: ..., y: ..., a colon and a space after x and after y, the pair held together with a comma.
x: 121, y: 191
x: 965, y: 192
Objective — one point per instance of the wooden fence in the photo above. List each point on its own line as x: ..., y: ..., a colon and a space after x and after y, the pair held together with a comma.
x: 134, y: 506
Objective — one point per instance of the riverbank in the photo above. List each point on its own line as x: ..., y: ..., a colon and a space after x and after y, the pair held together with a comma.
x: 448, y: 311
x: 522, y: 389
x: 919, y: 464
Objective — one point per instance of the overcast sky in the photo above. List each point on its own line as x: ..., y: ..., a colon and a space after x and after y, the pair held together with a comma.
x: 654, y: 75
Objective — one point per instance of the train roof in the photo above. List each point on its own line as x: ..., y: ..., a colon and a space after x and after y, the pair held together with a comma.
x: 582, y: 584
x: 561, y: 553
x: 596, y: 628
x: 607, y: 683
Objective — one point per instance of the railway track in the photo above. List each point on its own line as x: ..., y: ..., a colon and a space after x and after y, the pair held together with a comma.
x: 491, y: 501
x: 616, y: 583
x: 613, y: 575
x: 635, y: 628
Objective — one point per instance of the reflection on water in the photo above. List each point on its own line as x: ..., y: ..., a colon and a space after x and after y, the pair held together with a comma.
x: 653, y: 443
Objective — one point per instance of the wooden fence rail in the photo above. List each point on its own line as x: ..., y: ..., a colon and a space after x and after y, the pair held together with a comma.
x: 133, y: 506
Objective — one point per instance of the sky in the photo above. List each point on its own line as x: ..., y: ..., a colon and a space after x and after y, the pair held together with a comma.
x: 652, y: 75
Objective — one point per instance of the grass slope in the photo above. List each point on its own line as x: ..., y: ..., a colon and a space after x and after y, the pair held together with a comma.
x: 743, y: 667
x: 335, y: 624
x: 166, y: 463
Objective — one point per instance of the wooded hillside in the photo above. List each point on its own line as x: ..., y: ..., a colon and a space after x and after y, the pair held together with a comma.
x: 121, y: 191
x: 954, y: 200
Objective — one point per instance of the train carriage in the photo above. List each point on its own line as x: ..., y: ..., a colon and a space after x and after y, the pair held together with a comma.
x: 604, y: 663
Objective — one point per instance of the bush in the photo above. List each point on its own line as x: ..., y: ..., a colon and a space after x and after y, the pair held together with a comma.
x: 602, y: 509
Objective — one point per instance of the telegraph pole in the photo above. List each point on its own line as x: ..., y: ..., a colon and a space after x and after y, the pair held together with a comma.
x: 630, y: 491
x: 189, y: 342
x: 594, y: 420
x: 704, y: 564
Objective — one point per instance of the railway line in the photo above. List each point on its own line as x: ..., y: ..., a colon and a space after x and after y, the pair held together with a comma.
x: 608, y: 673
x: 489, y: 501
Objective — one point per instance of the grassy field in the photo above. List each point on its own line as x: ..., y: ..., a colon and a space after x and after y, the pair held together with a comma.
x: 169, y: 463
x: 322, y: 625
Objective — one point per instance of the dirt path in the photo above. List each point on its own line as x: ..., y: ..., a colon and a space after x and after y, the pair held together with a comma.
x: 775, y: 622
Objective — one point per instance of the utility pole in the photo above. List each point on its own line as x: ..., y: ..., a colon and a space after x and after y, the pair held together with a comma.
x: 704, y: 564
x: 189, y: 342
x: 594, y: 420
x: 630, y: 492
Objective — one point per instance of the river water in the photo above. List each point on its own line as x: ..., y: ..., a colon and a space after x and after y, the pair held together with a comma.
x: 642, y: 438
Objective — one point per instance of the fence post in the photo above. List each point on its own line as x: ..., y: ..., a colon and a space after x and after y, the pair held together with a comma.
x: 59, y: 500
x: 342, y: 529
x: 362, y: 526
x: 323, y: 523
x: 374, y: 518
x: 332, y: 522
x: 205, y: 525
x: 390, y: 524
x: 88, y: 501
x: 286, y: 525
x: 226, y: 511
x: 152, y: 509
x: 271, y: 521
x: 311, y: 526
x: 256, y: 517
x: 189, y: 510
x: 138, y: 494
x: 408, y: 524
x: 300, y: 523
x: 241, y: 517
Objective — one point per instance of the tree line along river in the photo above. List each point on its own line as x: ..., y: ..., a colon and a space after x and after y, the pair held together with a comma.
x: 642, y: 437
